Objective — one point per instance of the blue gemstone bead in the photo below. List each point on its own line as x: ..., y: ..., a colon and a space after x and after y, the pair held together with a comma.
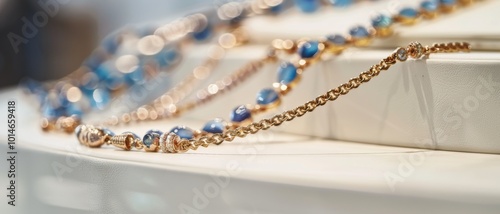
x: 359, y: 32
x: 287, y: 73
x: 100, y: 98
x: 103, y: 71
x: 74, y: 109
x: 48, y: 111
x: 90, y: 81
x: 448, y: 2
x: 136, y: 76
x: 307, y: 6
x: 381, y: 21
x: 277, y: 9
x: 166, y: 57
x: 150, y: 137
x: 267, y: 96
x: 63, y: 99
x: 183, y: 132
x: 94, y: 61
x: 31, y: 85
x: 240, y: 114
x: 308, y: 49
x: 214, y: 126
x: 341, y: 3
x: 114, y: 81
x: 41, y: 95
x: 111, y: 44
x: 408, y: 12
x: 429, y: 6
x: 203, y: 34
x: 402, y: 55
x: 337, y: 39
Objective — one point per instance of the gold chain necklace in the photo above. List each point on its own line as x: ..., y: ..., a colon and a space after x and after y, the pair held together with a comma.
x: 171, y: 143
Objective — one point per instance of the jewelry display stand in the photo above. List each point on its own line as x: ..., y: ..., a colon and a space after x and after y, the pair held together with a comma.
x: 447, y: 102
x: 267, y: 173
x: 411, y: 141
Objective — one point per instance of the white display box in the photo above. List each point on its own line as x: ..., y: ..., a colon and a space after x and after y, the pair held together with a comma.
x: 446, y: 102
x: 266, y: 173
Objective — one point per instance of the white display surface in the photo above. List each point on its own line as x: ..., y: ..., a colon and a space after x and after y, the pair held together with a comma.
x: 267, y: 173
x: 447, y: 102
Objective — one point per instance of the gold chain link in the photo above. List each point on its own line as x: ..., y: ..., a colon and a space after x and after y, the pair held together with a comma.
x: 331, y: 95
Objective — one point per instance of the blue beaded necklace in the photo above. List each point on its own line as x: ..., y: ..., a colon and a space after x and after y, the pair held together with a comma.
x: 97, y: 87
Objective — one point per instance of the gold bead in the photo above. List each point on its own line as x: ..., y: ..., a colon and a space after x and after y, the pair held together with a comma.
x: 91, y: 136
x: 46, y: 124
x: 124, y: 141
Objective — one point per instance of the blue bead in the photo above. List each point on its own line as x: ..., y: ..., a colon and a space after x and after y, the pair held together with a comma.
x: 429, y: 6
x: 408, y: 12
x: 336, y: 39
x: 240, y: 114
x: 63, y: 99
x: 136, y: 76
x: 341, y: 3
x: 359, y: 32
x: 103, y: 71
x: 94, y: 60
x: 111, y: 44
x: 448, y: 2
x: 150, y: 137
x: 49, y: 112
x: 90, y: 81
x: 277, y: 9
x: 307, y: 6
x: 183, y: 132
x: 31, y: 85
x: 99, y: 98
x: 166, y: 57
x: 204, y: 33
x: 287, y: 73
x: 214, y: 126
x: 41, y: 95
x: 74, y: 109
x: 60, y: 111
x: 381, y: 21
x: 267, y: 96
x: 402, y: 55
x: 308, y: 49
x: 114, y: 81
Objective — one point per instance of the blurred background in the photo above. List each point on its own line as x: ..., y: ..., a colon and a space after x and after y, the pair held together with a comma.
x: 47, y: 39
